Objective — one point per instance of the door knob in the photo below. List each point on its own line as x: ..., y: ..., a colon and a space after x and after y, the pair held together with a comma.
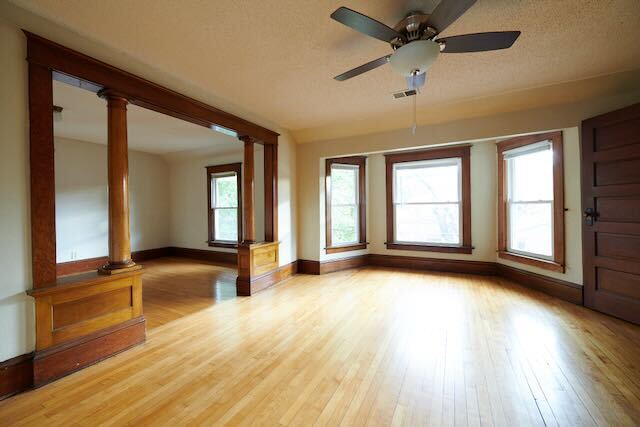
x: 589, y: 216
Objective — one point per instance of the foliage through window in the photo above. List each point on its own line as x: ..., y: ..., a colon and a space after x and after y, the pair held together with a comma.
x: 428, y: 200
x: 345, y: 201
x: 224, y: 204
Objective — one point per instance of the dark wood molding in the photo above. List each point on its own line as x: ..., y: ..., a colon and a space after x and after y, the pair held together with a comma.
x: 139, y: 91
x: 64, y: 359
x: 534, y: 262
x: 219, y: 169
x: 558, y: 201
x: 271, y: 193
x: 567, y: 291
x: 361, y: 162
x: 433, y: 264
x: 430, y: 248
x: 42, y: 166
x: 464, y: 153
x: 16, y: 375
x: 346, y: 248
x: 306, y: 266
x: 215, y: 257
x: 248, y: 190
x: 250, y: 287
x: 82, y: 265
x: 329, y: 266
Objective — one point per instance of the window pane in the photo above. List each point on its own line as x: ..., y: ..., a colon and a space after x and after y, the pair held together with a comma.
x: 226, y: 224
x: 439, y: 224
x: 226, y: 191
x: 344, y: 185
x: 344, y: 224
x: 530, y: 228
x: 417, y: 182
x: 531, y: 176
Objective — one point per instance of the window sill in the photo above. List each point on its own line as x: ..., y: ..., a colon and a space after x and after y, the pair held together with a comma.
x: 534, y: 262
x: 430, y: 248
x: 220, y: 244
x: 346, y: 248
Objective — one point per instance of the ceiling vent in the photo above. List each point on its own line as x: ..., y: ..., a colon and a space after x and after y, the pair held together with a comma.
x: 405, y: 93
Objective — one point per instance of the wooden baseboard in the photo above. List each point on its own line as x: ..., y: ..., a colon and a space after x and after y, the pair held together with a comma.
x: 248, y: 288
x: 433, y: 264
x: 89, y: 264
x: 205, y: 255
x: 16, y: 375
x: 59, y: 361
x: 558, y: 288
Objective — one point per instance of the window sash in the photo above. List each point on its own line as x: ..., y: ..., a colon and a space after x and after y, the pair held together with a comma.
x: 355, y: 204
x: 512, y: 199
x: 216, y: 230
x: 420, y: 164
x: 214, y: 189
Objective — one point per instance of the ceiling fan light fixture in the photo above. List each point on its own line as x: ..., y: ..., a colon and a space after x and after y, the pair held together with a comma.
x: 418, y: 55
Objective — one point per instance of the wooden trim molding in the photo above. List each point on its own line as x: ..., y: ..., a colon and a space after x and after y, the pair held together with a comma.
x: 82, y: 265
x: 280, y: 274
x: 64, y: 359
x: 567, y: 291
x: 215, y: 170
x: 433, y: 264
x: 558, y: 288
x: 215, y: 257
x: 16, y: 375
x: 361, y: 163
x: 557, y: 264
x: 462, y: 152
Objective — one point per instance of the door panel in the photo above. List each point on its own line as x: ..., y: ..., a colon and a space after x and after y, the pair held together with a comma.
x: 611, y: 202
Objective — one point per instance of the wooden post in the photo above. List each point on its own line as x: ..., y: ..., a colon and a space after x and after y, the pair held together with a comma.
x: 248, y: 211
x: 118, y: 158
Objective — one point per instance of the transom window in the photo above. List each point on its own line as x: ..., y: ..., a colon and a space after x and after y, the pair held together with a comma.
x: 531, y: 214
x: 345, y: 204
x: 428, y: 201
x: 224, y: 204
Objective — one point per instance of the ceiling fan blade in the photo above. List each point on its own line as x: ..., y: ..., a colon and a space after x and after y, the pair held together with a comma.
x: 479, y: 42
x: 363, y: 68
x: 364, y: 24
x: 447, y: 12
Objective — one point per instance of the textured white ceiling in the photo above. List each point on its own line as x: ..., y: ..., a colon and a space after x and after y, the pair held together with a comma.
x: 84, y: 118
x: 277, y: 58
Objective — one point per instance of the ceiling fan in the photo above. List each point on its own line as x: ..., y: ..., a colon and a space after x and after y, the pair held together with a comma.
x: 415, y: 40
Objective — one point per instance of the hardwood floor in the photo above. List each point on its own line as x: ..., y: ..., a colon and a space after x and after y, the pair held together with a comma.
x: 369, y: 346
x: 176, y: 287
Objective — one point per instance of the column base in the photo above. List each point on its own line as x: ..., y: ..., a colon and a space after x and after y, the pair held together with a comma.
x: 111, y: 269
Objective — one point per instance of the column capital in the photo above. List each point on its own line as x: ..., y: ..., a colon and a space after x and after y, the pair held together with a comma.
x: 250, y: 139
x: 112, y: 95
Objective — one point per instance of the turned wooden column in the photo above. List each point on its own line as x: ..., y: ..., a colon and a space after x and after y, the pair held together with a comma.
x: 118, y: 159
x: 248, y: 210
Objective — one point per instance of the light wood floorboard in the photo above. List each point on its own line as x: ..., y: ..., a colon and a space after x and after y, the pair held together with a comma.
x: 360, y: 347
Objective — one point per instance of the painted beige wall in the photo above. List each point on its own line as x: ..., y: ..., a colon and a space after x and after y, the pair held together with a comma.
x: 188, y: 191
x: 82, y: 209
x: 482, y: 132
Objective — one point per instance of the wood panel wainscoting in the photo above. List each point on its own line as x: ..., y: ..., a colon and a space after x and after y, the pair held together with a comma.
x: 76, y: 316
x: 258, y: 265
x: 558, y: 288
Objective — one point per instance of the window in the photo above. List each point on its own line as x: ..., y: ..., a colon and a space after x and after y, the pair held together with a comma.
x: 224, y: 205
x: 428, y: 200
x: 345, y: 204
x: 531, y: 211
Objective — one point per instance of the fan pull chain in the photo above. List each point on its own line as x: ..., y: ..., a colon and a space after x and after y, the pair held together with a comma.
x: 413, y: 128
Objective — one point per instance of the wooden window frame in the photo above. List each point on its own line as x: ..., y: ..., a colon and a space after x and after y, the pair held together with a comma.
x: 461, y: 152
x: 558, y: 262
x: 215, y: 170
x: 361, y: 162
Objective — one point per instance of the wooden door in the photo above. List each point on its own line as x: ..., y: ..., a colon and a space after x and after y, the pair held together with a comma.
x: 611, y: 208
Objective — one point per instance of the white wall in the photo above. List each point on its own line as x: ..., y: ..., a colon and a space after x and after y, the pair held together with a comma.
x: 82, y: 210
x: 188, y: 196
x: 17, y: 322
